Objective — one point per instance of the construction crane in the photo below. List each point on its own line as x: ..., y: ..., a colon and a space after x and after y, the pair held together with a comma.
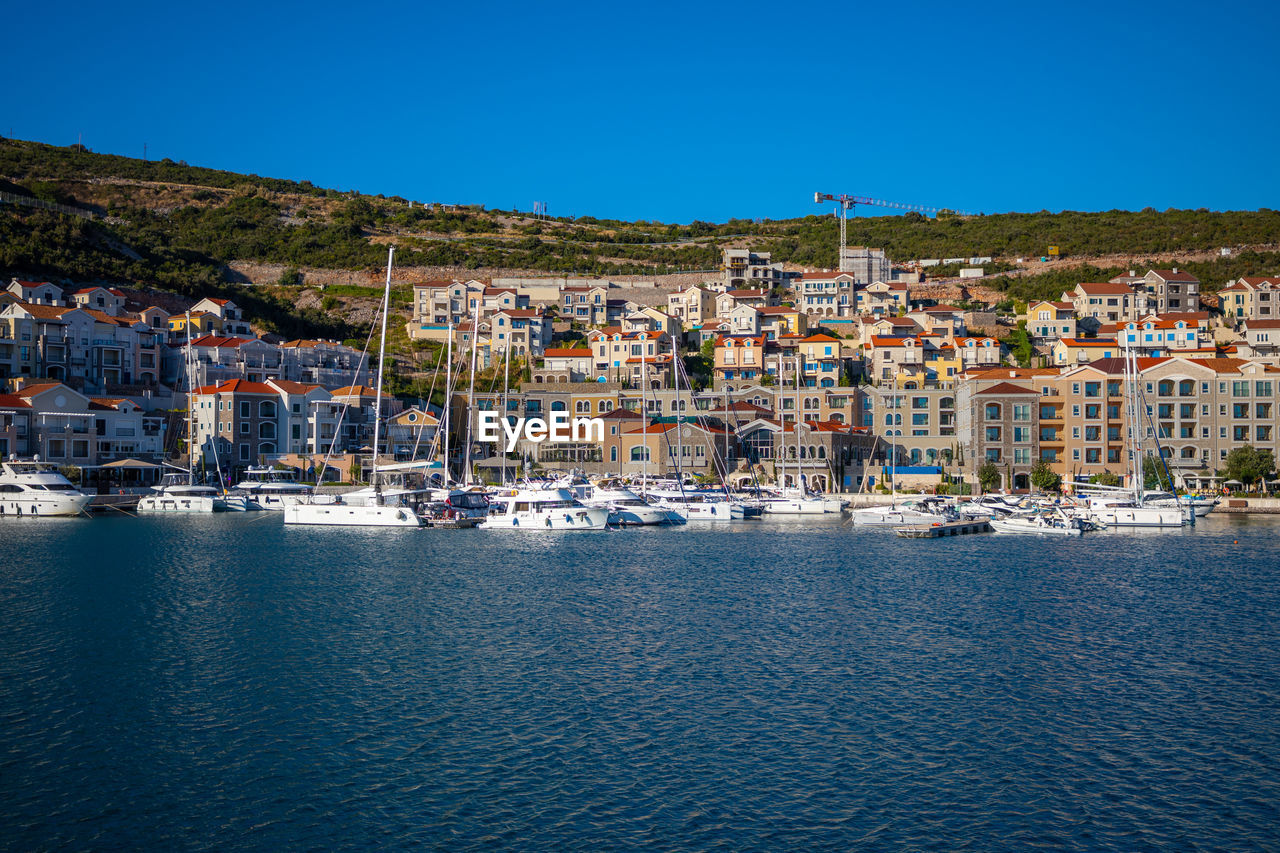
x: 846, y: 203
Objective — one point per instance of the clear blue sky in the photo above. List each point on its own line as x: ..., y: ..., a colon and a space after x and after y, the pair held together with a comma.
x: 675, y: 111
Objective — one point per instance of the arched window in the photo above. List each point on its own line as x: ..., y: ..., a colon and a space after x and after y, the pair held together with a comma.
x: 582, y: 407
x: 947, y: 403
x: 822, y: 452
x: 1188, y: 453
x: 837, y: 417
x: 1165, y: 389
x: 993, y: 411
x: 266, y: 448
x: 915, y: 456
x: 267, y: 409
x: 557, y: 405
x: 266, y: 430
x: 640, y: 454
x: 606, y: 405
x: 1186, y: 388
x: 613, y: 453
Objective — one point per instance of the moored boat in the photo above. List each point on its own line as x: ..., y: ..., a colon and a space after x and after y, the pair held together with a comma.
x: 33, y: 489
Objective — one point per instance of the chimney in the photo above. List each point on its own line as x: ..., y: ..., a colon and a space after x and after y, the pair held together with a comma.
x: 1131, y: 274
x: 1175, y: 270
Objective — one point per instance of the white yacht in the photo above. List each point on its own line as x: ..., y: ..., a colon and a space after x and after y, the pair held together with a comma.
x: 33, y: 489
x: 897, y: 514
x: 698, y: 505
x: 543, y: 509
x: 795, y: 502
x: 1050, y: 522
x: 1115, y: 511
x: 627, y: 508
x: 177, y: 494
x: 270, y: 489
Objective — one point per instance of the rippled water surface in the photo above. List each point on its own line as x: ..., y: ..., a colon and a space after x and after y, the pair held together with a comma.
x: 228, y: 683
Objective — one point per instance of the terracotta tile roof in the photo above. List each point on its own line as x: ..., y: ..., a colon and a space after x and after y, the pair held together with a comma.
x: 1104, y: 288
x: 238, y: 386
x: 36, y: 388
x: 13, y: 401
x: 824, y: 276
x: 820, y: 337
x: 1180, y: 275
x: 218, y: 341
x: 45, y: 312
x: 1262, y: 324
x: 528, y: 313
x: 294, y: 387
x: 567, y: 352
x: 1090, y: 342
x: 354, y: 391
x: 746, y: 294
x: 1006, y: 388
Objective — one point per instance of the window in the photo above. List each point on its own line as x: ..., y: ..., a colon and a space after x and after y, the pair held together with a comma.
x: 1022, y: 412
x: 244, y: 408
x: 993, y: 411
x: 640, y: 454
x: 993, y: 433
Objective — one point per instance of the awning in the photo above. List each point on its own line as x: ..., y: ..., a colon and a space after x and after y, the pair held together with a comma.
x: 130, y: 463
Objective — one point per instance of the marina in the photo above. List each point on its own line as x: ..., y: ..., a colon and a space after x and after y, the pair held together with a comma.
x: 242, y: 684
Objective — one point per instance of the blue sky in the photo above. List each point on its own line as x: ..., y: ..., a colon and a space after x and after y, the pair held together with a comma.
x: 674, y: 111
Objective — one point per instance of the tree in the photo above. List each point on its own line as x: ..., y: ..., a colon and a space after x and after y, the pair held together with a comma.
x: 1043, y: 478
x: 1248, y: 464
x: 988, y: 476
x: 1151, y: 473
x: 1105, y: 478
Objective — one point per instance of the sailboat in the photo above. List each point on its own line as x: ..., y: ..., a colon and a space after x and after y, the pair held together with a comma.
x: 179, y: 492
x: 794, y: 500
x: 372, y: 507
x: 1127, y: 507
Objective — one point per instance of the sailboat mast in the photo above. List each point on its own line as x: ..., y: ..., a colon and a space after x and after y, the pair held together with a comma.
x: 471, y: 392
x: 382, y: 369
x: 506, y: 389
x: 448, y: 396
x: 191, y: 430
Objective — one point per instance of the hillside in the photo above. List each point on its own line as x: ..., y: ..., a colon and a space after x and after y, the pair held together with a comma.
x: 201, y: 231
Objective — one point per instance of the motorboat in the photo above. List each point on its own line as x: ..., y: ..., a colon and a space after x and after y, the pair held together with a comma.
x: 178, y: 494
x: 271, y: 489
x: 1048, y: 522
x: 626, y: 508
x: 796, y: 502
x: 923, y: 511
x: 33, y: 489
x: 543, y: 509
x: 1201, y: 505
x: 698, y: 505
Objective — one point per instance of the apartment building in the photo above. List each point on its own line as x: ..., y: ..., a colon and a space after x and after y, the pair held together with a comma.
x: 693, y: 306
x: 826, y: 294
x: 1097, y: 303
x: 1251, y: 299
x: 883, y: 298
x: 998, y: 424
x: 1171, y: 291
x: 1049, y: 321
x: 744, y: 269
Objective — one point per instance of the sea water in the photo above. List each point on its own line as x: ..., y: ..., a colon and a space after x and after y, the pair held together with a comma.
x: 228, y: 683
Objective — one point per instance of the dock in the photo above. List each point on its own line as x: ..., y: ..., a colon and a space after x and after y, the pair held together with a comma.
x: 946, y: 528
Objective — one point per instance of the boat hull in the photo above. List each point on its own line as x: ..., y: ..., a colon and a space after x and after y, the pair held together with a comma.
x: 344, y: 515
x: 165, y: 504
x: 36, y: 507
x: 570, y: 518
